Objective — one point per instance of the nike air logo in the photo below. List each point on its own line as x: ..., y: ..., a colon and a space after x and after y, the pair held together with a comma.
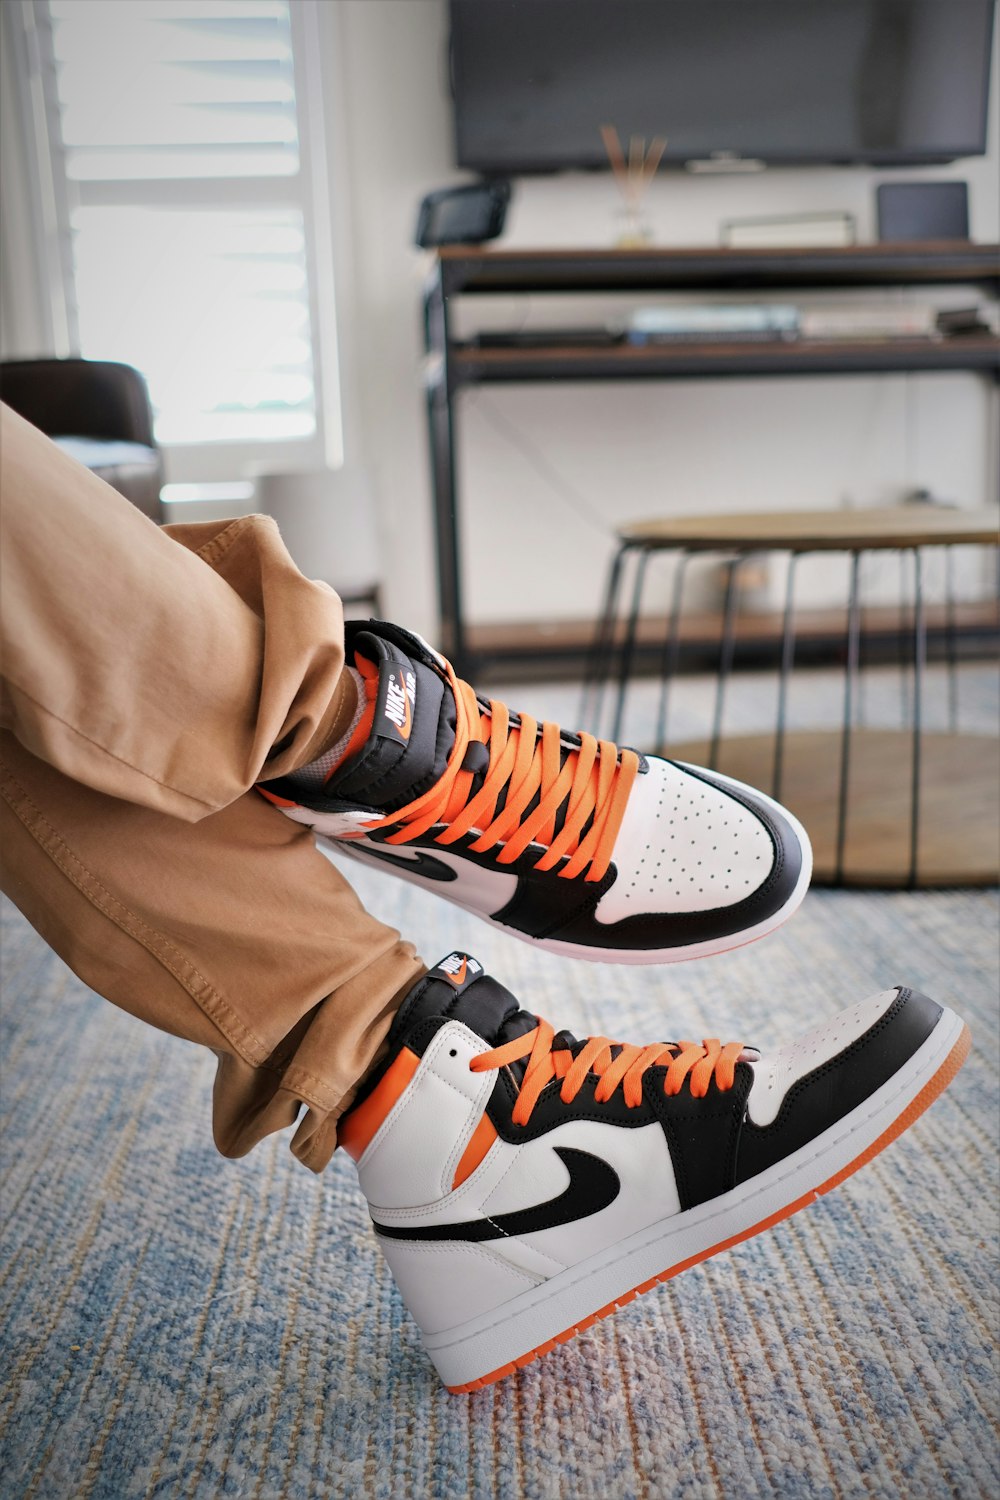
x: 415, y: 863
x: 400, y: 690
x: 593, y: 1184
x: 458, y: 967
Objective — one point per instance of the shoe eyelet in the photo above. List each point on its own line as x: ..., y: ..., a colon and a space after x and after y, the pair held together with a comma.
x: 453, y: 1052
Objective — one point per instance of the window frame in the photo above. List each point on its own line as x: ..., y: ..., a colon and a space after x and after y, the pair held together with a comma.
x: 308, y: 191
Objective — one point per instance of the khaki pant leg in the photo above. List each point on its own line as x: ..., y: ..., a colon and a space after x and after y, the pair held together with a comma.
x: 149, y: 679
x: 171, y: 667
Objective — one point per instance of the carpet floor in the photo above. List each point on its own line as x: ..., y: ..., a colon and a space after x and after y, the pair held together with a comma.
x: 175, y: 1325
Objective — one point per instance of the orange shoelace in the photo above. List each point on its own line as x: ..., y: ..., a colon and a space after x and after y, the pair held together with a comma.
x: 701, y: 1060
x: 527, y: 760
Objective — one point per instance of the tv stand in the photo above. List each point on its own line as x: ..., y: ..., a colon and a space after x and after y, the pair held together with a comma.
x: 468, y: 271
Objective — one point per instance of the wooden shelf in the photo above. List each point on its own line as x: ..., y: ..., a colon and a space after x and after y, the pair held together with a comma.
x: 702, y: 361
x: 469, y: 269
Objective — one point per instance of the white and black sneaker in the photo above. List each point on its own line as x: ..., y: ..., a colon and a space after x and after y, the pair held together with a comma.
x: 523, y: 1184
x: 577, y: 845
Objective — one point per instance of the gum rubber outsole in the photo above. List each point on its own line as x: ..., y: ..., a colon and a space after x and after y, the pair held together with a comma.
x: 935, y: 1086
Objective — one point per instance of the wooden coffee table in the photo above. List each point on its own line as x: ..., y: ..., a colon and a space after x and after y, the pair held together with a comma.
x: 898, y: 807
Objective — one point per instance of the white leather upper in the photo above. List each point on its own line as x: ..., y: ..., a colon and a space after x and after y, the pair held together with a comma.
x: 407, y: 1171
x: 776, y: 1072
x: 684, y: 846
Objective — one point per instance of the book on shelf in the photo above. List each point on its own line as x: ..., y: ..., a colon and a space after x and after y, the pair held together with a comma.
x: 892, y: 321
x: 713, y: 323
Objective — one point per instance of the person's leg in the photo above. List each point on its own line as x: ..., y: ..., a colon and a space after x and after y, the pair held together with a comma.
x: 170, y: 675
x: 146, y: 686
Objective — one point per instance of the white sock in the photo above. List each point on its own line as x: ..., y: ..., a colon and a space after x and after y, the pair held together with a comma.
x: 316, y: 772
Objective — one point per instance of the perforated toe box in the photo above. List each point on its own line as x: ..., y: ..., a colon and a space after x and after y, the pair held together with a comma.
x: 688, y: 844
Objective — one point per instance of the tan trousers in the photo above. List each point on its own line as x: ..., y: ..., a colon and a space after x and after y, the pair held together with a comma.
x: 150, y: 677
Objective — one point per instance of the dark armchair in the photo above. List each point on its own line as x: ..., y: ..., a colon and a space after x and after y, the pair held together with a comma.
x: 99, y: 413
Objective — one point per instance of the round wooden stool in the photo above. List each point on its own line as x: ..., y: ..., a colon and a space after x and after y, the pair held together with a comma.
x: 898, y: 807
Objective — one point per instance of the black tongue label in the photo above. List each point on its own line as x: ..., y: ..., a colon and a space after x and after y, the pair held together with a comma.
x: 459, y: 969
x: 397, y: 697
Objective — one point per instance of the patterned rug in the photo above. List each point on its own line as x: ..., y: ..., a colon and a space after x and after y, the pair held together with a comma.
x: 175, y: 1325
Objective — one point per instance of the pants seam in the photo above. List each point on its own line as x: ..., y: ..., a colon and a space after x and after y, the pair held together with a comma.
x: 205, y: 995
x: 298, y: 1080
x: 220, y: 544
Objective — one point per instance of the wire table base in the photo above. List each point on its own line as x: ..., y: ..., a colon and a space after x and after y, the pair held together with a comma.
x: 883, y: 807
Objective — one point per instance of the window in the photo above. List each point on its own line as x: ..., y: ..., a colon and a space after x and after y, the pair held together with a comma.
x: 186, y: 203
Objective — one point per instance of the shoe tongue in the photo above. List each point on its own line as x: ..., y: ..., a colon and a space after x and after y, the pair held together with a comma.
x: 458, y: 990
x: 412, y: 733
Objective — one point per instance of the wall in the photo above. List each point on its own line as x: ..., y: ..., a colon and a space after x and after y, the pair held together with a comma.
x: 546, y: 474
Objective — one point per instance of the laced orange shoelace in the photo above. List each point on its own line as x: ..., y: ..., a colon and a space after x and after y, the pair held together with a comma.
x: 527, y: 760
x: 701, y: 1060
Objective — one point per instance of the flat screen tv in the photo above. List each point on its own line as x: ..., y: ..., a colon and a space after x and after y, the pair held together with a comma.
x: 884, y: 82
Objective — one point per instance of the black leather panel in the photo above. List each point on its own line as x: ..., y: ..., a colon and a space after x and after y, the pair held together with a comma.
x: 543, y: 904
x: 833, y: 1090
x: 702, y: 1134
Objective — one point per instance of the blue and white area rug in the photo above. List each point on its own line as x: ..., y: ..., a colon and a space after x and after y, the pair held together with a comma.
x: 175, y: 1325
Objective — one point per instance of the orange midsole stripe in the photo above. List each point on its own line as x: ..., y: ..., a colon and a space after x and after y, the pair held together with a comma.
x: 916, y: 1107
x: 480, y: 1142
x: 357, y: 1128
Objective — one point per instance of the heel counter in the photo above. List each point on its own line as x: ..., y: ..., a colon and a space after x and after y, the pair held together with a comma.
x: 448, y: 1284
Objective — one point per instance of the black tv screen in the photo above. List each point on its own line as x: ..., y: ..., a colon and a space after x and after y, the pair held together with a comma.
x: 780, y: 81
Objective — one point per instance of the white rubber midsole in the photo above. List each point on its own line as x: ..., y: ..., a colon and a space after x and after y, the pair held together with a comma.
x: 610, y: 955
x: 505, y: 1334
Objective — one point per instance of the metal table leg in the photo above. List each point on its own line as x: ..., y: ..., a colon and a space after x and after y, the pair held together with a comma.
x: 726, y: 653
x: 628, y: 645
x: 602, y: 648
x: 919, y: 661
x: 951, y: 643
x: 850, y: 681
x: 904, y: 681
x: 787, y: 659
x: 671, y: 653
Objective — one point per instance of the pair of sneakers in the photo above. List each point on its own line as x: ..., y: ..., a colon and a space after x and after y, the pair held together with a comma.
x: 522, y: 1182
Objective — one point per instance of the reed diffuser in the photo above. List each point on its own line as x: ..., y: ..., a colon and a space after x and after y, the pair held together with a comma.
x: 633, y: 176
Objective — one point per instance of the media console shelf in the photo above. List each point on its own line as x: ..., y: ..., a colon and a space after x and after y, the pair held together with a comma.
x: 467, y: 271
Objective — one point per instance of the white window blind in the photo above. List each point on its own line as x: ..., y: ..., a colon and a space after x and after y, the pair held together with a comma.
x: 176, y: 142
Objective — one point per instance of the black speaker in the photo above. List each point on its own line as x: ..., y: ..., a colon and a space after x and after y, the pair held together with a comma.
x: 465, y: 215
x: 923, y: 211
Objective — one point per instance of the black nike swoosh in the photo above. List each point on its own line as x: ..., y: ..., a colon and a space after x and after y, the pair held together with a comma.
x: 418, y: 863
x: 593, y: 1184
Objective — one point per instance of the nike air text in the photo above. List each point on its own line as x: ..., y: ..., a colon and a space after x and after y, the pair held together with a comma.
x: 397, y: 709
